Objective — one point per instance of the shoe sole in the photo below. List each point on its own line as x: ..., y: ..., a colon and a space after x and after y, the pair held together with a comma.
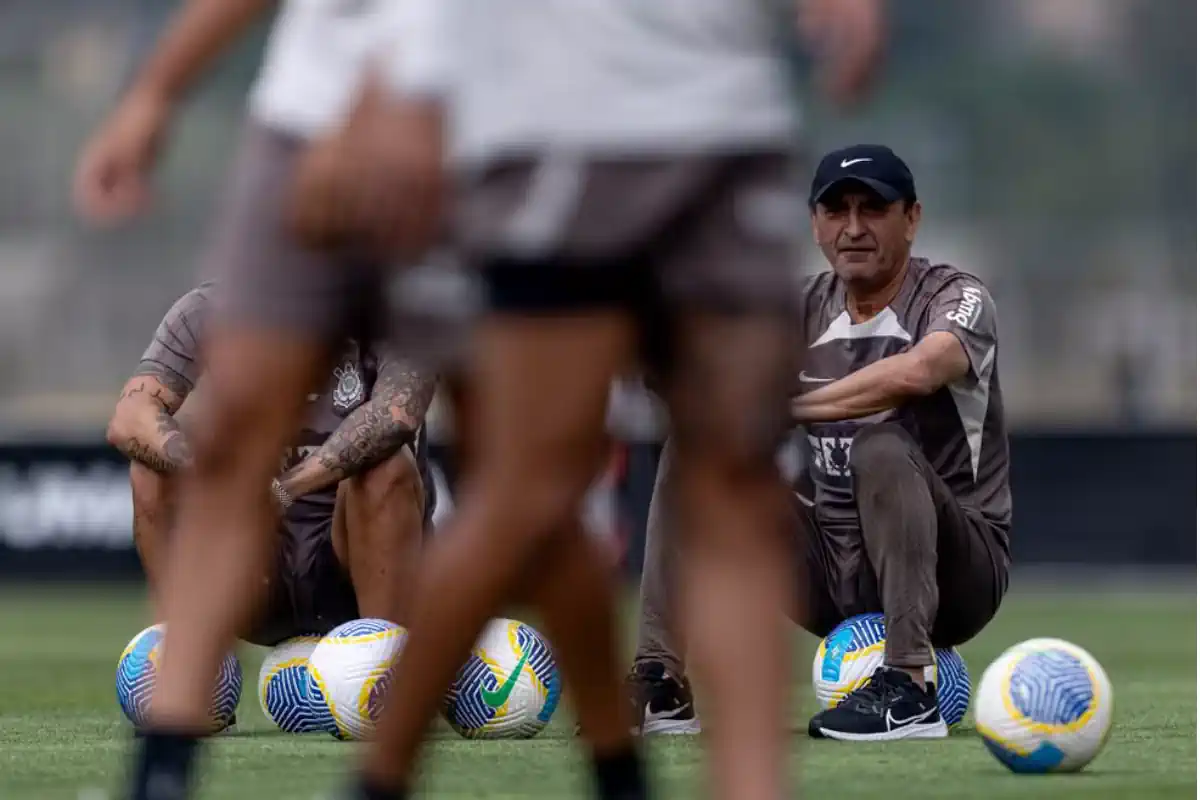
x: 932, y: 730
x: 671, y: 727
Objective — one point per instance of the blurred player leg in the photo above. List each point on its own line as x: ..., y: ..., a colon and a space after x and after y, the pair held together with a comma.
x: 727, y: 401
x: 266, y: 348
x: 525, y: 486
x: 729, y: 284
x: 379, y: 526
x: 223, y: 541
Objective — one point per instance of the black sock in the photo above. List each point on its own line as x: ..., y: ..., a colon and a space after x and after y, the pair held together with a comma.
x: 164, y: 766
x: 620, y: 776
x: 368, y: 790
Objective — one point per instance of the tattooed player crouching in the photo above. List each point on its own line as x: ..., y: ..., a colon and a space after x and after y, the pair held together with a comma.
x: 353, y: 495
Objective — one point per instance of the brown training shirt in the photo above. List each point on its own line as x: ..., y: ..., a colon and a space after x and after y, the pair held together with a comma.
x: 176, y: 347
x: 960, y: 427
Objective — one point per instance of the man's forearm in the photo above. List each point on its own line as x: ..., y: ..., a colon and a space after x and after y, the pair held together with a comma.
x: 197, y: 36
x: 371, y: 434
x: 876, y: 387
x: 156, y: 441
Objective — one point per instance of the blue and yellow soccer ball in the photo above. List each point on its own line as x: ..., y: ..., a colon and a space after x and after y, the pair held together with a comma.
x: 848, y: 657
x: 349, y: 672
x: 283, y: 687
x: 508, y: 689
x: 1044, y: 705
x: 138, y: 666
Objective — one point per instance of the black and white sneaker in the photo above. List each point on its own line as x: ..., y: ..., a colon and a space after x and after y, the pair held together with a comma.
x: 663, y: 703
x: 889, y: 706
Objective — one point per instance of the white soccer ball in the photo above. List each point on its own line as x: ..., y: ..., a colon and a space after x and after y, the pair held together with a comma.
x: 137, y: 669
x: 1044, y: 705
x: 509, y: 687
x: 283, y: 686
x: 349, y: 672
x: 848, y: 657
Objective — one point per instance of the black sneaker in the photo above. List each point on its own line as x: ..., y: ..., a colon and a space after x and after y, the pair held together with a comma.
x: 889, y: 706
x: 662, y: 702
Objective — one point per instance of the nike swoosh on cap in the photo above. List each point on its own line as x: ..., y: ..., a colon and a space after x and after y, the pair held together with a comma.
x: 850, y: 161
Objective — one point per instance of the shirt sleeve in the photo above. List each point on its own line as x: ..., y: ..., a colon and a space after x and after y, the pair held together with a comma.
x: 964, y: 308
x: 418, y: 58
x: 175, y: 347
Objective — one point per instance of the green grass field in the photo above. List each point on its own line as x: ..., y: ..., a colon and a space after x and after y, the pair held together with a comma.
x: 61, y: 732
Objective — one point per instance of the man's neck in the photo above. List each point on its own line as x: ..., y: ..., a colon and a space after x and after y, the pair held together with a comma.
x: 864, y: 302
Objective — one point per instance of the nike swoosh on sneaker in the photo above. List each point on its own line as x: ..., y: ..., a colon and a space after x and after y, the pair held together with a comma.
x: 893, y: 723
x: 652, y: 716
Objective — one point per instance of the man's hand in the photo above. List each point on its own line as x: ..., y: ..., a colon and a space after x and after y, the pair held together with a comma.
x: 112, y: 177
x: 378, y: 182
x: 848, y: 39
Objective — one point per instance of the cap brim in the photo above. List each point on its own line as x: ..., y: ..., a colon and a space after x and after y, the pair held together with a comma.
x: 887, y: 192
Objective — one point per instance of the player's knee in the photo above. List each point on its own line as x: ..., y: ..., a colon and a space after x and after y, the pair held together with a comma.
x: 537, y: 509
x: 880, y: 451
x: 393, y: 484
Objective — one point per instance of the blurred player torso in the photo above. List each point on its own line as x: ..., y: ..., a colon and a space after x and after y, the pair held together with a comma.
x: 619, y: 76
x: 315, y: 61
x: 960, y: 427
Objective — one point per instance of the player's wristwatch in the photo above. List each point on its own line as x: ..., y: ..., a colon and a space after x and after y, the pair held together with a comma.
x: 281, y: 495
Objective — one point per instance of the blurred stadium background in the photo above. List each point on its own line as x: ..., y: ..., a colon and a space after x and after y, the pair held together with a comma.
x: 1054, y: 147
x: 1053, y: 142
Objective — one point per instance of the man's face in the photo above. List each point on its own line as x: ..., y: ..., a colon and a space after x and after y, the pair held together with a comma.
x: 865, y: 238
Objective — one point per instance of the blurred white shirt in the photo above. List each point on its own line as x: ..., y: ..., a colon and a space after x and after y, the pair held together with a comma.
x: 317, y: 56
x: 621, y: 77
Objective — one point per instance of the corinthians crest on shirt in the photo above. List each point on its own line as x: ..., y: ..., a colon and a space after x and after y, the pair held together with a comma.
x: 349, y: 383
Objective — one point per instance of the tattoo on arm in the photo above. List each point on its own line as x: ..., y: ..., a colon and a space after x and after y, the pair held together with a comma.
x: 148, y: 455
x: 175, y: 446
x: 146, y: 408
x: 371, y: 433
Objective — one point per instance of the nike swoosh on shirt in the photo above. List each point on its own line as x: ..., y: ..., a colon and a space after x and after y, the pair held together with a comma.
x: 806, y: 378
x: 499, y: 697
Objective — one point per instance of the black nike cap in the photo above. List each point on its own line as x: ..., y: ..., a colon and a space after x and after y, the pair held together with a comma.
x: 872, y: 165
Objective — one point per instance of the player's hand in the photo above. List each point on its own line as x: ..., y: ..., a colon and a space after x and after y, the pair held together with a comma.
x: 377, y: 183
x: 848, y: 38
x: 113, y: 173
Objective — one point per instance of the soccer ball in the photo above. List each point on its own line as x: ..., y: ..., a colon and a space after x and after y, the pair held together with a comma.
x: 283, y: 687
x: 848, y: 657
x: 349, y: 672
x: 1044, y: 705
x: 509, y: 687
x: 138, y: 666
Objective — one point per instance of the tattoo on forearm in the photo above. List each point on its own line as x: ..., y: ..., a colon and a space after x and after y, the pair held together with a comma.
x: 376, y: 430
x: 175, y: 445
x: 368, y: 436
x: 140, y: 451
